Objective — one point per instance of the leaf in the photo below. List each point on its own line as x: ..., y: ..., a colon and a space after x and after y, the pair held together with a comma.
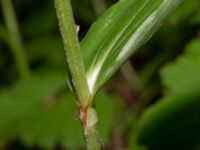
x: 115, y: 36
x: 184, y: 74
x: 193, y: 49
x: 31, y: 111
x: 173, y: 123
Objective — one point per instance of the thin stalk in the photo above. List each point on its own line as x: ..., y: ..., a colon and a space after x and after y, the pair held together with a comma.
x: 88, y: 115
x: 72, y: 49
x: 92, y: 134
x: 131, y: 76
x: 99, y: 7
x: 15, y: 38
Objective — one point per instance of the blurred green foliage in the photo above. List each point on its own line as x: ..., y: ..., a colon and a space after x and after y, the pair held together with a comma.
x: 174, y: 123
x: 38, y: 113
x: 41, y: 112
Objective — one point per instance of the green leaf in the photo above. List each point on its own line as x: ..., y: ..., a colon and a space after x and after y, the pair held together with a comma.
x: 193, y: 49
x: 115, y: 36
x: 184, y: 75
x: 173, y: 123
x: 33, y: 111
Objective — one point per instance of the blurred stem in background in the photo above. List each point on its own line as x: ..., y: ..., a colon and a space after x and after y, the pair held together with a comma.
x: 15, y: 40
x: 131, y: 76
x: 99, y: 6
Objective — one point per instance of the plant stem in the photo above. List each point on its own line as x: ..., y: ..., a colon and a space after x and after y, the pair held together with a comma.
x: 92, y: 134
x: 72, y: 49
x: 77, y: 71
x: 15, y: 38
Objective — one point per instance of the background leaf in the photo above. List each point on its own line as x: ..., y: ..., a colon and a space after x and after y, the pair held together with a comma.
x: 173, y: 123
x: 37, y: 113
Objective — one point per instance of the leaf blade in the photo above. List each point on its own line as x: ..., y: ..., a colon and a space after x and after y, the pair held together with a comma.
x: 134, y: 22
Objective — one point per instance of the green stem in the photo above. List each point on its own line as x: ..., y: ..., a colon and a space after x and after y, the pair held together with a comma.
x: 15, y: 39
x: 72, y: 49
x: 92, y: 134
x: 77, y: 71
